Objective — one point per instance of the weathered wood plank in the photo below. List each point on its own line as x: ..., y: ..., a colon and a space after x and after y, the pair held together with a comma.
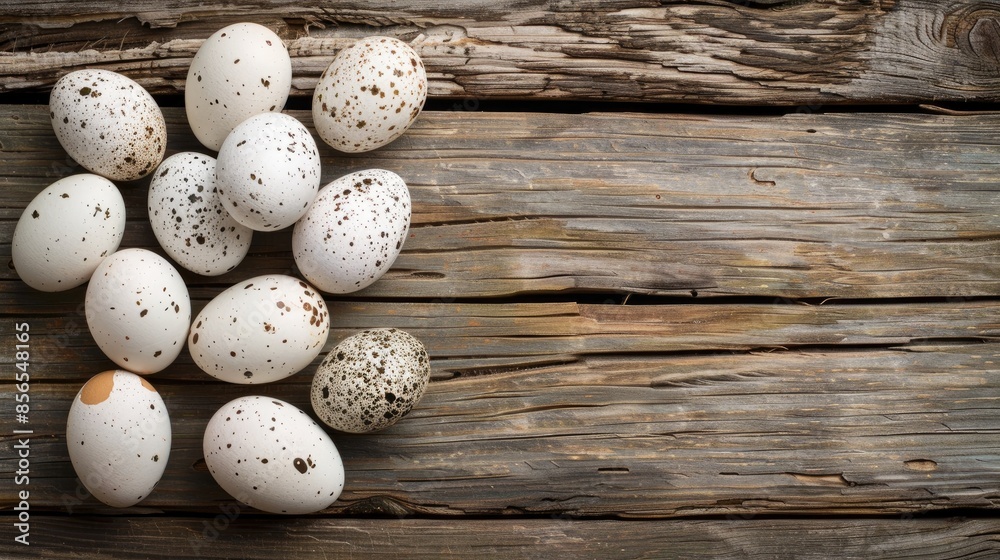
x: 836, y: 205
x: 643, y: 436
x: 230, y: 535
x: 733, y: 52
x: 474, y: 338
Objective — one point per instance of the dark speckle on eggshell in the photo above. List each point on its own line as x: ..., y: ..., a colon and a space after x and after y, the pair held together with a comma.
x: 370, y: 380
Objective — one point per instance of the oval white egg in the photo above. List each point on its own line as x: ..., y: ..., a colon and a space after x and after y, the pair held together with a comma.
x: 370, y: 380
x: 260, y: 330
x: 118, y: 435
x: 66, y: 231
x: 268, y: 171
x: 241, y: 70
x: 369, y: 95
x: 353, y: 231
x: 108, y: 123
x: 138, y: 310
x: 189, y: 219
x: 272, y: 456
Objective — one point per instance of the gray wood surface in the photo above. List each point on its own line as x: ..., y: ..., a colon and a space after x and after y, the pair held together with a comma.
x: 802, y: 206
x: 725, y: 52
x: 230, y: 534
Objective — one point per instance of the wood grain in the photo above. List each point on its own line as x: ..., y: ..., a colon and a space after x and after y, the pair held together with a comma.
x: 720, y: 52
x: 508, y: 204
x: 632, y: 435
x: 228, y: 535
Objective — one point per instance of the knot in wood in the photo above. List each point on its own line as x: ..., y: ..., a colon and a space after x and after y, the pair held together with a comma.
x: 975, y: 31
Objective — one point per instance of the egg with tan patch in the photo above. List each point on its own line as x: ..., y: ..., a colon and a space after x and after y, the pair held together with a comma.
x: 370, y: 380
x: 260, y: 330
x: 370, y: 94
x: 272, y: 456
x: 118, y: 435
x: 108, y: 123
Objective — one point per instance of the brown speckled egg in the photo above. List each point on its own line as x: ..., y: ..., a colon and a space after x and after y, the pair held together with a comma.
x: 370, y: 380
x: 108, y: 123
x: 240, y: 71
x: 268, y: 171
x: 189, y: 219
x: 260, y: 330
x: 369, y: 95
x: 138, y: 310
x: 272, y: 456
x: 353, y: 231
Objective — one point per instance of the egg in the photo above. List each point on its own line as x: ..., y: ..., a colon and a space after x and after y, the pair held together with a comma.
x: 272, y: 456
x: 260, y: 330
x: 353, y: 231
x: 108, y: 123
x: 240, y: 71
x: 118, y: 435
x: 66, y: 230
x: 268, y: 171
x: 189, y: 219
x: 138, y: 310
x: 370, y: 380
x: 369, y: 95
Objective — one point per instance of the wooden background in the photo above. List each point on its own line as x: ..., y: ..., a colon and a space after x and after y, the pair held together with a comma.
x: 708, y: 279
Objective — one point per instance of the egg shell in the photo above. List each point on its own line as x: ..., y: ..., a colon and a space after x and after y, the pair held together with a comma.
x: 108, y: 123
x: 268, y: 171
x: 370, y: 380
x: 138, y: 310
x: 241, y: 70
x: 353, y: 231
x: 189, y: 219
x: 272, y: 456
x: 370, y: 94
x: 118, y: 435
x: 66, y: 231
x: 260, y: 330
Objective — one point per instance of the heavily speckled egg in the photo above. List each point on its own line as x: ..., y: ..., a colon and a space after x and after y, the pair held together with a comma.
x: 138, y: 310
x: 268, y: 171
x: 272, y: 456
x: 238, y: 72
x: 118, y: 435
x: 66, y: 230
x: 370, y: 380
x: 369, y: 95
x: 189, y: 219
x: 108, y: 123
x: 260, y: 330
x: 353, y: 231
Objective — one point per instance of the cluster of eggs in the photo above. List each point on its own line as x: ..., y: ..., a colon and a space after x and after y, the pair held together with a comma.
x: 203, y: 211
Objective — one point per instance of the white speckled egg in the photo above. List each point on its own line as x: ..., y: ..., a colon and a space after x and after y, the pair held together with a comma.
x: 66, y: 230
x: 260, y: 330
x: 138, y: 310
x: 272, y: 456
x: 353, y: 231
x: 118, y: 435
x: 369, y: 95
x: 268, y: 171
x: 240, y: 71
x: 189, y: 219
x: 370, y: 380
x: 108, y: 123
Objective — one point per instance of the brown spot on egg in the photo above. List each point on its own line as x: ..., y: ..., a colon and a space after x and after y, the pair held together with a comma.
x: 98, y: 388
x: 300, y: 465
